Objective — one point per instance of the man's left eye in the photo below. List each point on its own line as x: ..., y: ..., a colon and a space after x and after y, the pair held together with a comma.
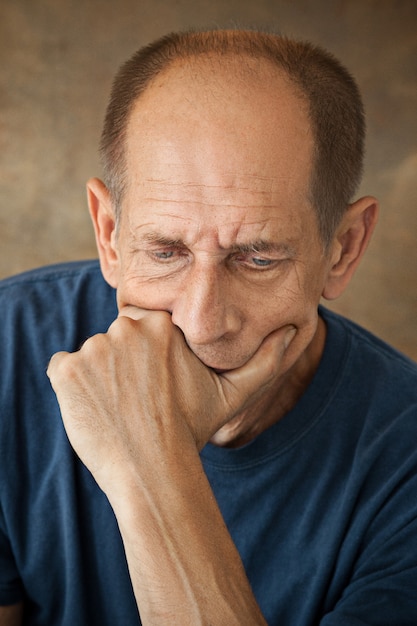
x: 261, y: 262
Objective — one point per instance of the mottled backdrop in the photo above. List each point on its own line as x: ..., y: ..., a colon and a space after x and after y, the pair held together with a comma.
x: 57, y: 61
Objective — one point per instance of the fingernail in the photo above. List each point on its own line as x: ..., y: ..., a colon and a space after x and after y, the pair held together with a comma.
x: 289, y: 337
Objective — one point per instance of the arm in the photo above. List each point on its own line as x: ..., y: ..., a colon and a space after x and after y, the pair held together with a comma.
x: 11, y: 615
x: 184, y: 566
x: 138, y: 424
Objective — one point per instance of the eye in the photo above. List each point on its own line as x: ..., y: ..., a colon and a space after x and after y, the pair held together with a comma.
x: 261, y: 262
x: 164, y: 255
x: 252, y: 262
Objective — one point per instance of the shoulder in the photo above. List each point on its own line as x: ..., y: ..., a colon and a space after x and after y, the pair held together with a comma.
x: 61, y: 280
x: 367, y: 357
x: 375, y: 393
x: 372, y: 419
x: 62, y: 274
x: 55, y: 307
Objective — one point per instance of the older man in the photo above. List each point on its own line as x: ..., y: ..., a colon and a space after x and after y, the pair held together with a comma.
x: 242, y: 455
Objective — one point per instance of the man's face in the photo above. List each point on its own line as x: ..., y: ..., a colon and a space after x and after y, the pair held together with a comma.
x: 217, y: 227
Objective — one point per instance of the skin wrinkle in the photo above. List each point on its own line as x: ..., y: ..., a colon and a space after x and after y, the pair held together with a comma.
x: 172, y: 216
x: 262, y: 195
x: 257, y: 221
x: 206, y: 204
x: 253, y: 177
x: 258, y: 246
x: 192, y: 241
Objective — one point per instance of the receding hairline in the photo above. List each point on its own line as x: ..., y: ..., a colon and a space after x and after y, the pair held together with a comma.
x: 236, y: 65
x: 242, y: 55
x: 233, y: 45
x: 335, y: 108
x: 215, y: 79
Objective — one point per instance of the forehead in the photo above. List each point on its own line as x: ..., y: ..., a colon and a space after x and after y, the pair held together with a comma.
x: 237, y: 101
x: 222, y: 141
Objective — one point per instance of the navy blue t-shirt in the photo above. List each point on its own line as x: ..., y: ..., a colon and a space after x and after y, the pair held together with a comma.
x: 322, y: 506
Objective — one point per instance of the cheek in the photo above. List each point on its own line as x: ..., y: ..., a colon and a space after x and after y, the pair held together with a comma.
x: 142, y: 293
x: 296, y: 305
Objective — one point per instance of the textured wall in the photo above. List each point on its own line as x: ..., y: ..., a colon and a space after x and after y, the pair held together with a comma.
x: 57, y: 61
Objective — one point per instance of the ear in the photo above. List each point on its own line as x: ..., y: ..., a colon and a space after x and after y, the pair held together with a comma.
x: 349, y: 245
x: 103, y: 218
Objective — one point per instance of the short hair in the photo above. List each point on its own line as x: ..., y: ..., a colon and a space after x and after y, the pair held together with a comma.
x: 333, y: 102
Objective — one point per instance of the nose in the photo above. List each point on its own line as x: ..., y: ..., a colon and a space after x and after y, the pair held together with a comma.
x: 206, y: 309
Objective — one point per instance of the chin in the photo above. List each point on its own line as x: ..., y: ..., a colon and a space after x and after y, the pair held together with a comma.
x: 221, y: 361
x: 222, y: 370
x: 221, y: 366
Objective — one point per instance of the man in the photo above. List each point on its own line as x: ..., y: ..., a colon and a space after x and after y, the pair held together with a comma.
x: 256, y: 453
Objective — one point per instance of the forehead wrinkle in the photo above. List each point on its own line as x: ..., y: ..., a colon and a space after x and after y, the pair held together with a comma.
x: 185, y: 220
x: 243, y: 244
x: 221, y: 199
x: 239, y: 184
x: 210, y: 205
x: 257, y: 189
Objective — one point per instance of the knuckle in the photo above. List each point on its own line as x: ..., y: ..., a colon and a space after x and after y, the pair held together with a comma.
x: 60, y: 368
x: 92, y: 347
x: 152, y: 322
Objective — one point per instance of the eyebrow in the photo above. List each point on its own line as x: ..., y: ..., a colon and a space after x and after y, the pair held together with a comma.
x: 161, y: 240
x: 263, y: 245
x: 258, y: 245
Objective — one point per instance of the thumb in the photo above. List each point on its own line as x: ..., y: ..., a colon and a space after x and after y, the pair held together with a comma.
x: 248, y: 381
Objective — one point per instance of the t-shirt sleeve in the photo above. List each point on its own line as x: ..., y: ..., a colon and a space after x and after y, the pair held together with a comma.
x: 383, y: 587
x: 11, y: 589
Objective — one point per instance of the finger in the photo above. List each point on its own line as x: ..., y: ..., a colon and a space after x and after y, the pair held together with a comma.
x: 134, y: 312
x: 240, y: 384
x: 53, y: 365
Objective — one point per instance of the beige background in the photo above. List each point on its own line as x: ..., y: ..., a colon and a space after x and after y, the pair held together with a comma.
x: 57, y: 62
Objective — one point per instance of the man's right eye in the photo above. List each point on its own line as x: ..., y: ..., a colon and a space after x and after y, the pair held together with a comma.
x: 164, y: 255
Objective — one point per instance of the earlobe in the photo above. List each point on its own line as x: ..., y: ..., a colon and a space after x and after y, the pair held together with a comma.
x: 349, y: 245
x: 102, y: 216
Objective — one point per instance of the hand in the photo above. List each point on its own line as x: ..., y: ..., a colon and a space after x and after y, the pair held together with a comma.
x: 138, y: 390
x: 137, y: 405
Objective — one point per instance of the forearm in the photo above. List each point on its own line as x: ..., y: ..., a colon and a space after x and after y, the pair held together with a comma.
x: 183, y: 564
